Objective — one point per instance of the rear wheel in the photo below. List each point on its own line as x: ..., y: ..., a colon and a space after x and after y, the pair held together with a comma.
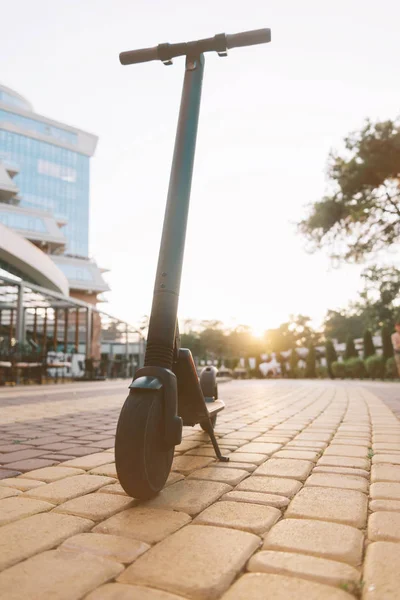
x: 142, y: 461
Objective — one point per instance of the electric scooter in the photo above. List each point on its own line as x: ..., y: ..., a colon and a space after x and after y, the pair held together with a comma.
x: 167, y: 392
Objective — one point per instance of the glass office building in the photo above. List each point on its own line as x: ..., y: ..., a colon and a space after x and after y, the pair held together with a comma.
x: 53, y: 162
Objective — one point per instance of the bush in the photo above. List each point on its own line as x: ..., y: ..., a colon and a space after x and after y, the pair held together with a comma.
x: 387, y: 347
x: 350, y: 351
x: 339, y: 369
x: 369, y: 348
x: 375, y: 366
x: 310, y: 363
x: 300, y: 373
x: 355, y: 368
x: 294, y: 359
x: 391, y: 369
x: 331, y: 356
x: 322, y: 372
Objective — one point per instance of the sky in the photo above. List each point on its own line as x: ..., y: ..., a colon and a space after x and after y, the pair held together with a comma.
x: 270, y: 115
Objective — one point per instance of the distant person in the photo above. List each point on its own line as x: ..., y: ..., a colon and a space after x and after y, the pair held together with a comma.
x: 396, y: 344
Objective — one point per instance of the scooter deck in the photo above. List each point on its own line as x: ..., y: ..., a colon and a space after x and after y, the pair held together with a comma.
x: 215, y: 407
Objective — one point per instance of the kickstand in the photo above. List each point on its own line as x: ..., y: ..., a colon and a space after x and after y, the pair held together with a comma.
x: 209, y: 429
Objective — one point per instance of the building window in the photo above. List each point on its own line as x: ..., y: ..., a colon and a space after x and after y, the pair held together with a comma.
x: 55, y: 170
x: 24, y: 222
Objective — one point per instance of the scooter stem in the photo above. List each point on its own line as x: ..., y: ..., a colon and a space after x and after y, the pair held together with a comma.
x: 163, y: 318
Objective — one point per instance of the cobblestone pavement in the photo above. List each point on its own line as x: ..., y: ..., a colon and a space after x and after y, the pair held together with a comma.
x: 307, y: 508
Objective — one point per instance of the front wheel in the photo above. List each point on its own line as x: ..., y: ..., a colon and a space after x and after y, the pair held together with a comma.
x: 142, y: 460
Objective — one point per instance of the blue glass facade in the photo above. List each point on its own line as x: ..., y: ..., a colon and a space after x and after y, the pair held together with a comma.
x: 23, y: 222
x: 50, y: 177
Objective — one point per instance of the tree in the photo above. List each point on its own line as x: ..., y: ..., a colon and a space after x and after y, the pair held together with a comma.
x: 351, y: 351
x: 369, y: 348
x: 378, y: 301
x: 310, y: 363
x: 361, y: 214
x: 387, y: 347
x: 339, y: 324
x: 294, y: 359
x: 331, y: 356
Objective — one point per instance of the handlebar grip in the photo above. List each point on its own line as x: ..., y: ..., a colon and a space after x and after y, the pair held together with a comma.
x: 132, y: 57
x: 248, y: 38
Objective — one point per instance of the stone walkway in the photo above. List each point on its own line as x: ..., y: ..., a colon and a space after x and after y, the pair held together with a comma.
x: 307, y: 508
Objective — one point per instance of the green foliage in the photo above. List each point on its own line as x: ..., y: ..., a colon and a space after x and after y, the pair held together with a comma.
x: 387, y: 346
x: 355, y: 368
x: 375, y: 366
x: 330, y: 355
x: 391, y: 369
x: 369, y: 348
x: 339, y: 324
x: 339, y: 369
x: 361, y: 215
x: 310, y: 370
x: 300, y: 373
x: 323, y: 372
x: 350, y: 351
x: 294, y: 359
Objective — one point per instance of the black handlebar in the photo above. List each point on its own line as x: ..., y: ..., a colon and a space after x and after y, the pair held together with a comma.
x: 219, y: 43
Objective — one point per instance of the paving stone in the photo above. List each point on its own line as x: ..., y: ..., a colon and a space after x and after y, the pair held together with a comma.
x: 259, y: 586
x: 344, y: 461
x: 385, y: 505
x: 285, y: 467
x: 391, y: 459
x: 241, y: 435
x: 260, y: 448
x: 381, y: 473
x: 384, y: 526
x: 20, y: 483
x: 8, y: 492
x: 330, y: 504
x: 19, y: 455
x: 89, y: 462
x: 306, y: 445
x: 246, y: 457
x: 348, y: 451
x: 82, y: 451
x: 337, y: 481
x: 272, y: 439
x: 270, y: 485
x: 387, y: 490
x: 348, y: 441
x: 14, y: 447
x: 57, y: 458
x: 239, y: 515
x: 257, y: 498
x: 120, y: 591
x: 314, y: 437
x: 57, y: 575
x: 30, y: 464
x: 188, y: 464
x: 205, y: 452
x: 68, y: 488
x: 50, y: 474
x: 206, y: 560
x: 96, y: 506
x: 60, y: 446
x: 230, y: 476
x: 113, y: 547
x: 250, y: 467
x: 47, y: 439
x: 319, y: 538
x: 381, y: 571
x: 189, y: 496
x: 379, y: 446
x: 24, y: 538
x: 342, y: 471
x: 298, y: 454
x: 6, y: 473
x: 12, y: 509
x: 307, y: 567
x: 148, y: 525
x: 106, y: 470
